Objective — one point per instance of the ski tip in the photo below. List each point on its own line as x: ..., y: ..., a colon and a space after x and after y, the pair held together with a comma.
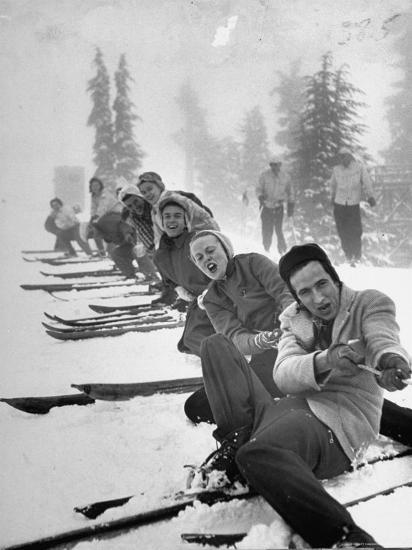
x: 213, y: 539
x: 85, y: 388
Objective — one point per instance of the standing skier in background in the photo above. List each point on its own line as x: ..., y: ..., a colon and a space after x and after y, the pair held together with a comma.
x: 68, y: 226
x: 333, y: 406
x: 273, y: 190
x: 350, y: 181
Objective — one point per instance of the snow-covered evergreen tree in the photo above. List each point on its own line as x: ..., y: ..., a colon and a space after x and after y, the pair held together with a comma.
x: 254, y: 149
x: 128, y: 153
x: 290, y: 95
x: 399, y: 113
x: 194, y: 135
x: 101, y: 119
x: 329, y: 120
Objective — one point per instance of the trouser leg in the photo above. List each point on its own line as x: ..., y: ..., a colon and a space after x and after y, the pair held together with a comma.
x: 66, y: 237
x: 122, y: 256
x: 396, y: 422
x: 267, y: 217
x: 235, y: 394
x: 197, y: 406
x: 354, y: 231
x: 340, y: 215
x: 146, y: 266
x: 83, y: 244
x: 278, y: 222
x: 288, y: 450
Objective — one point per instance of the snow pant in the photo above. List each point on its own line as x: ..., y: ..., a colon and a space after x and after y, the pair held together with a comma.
x: 73, y: 234
x: 349, y: 227
x: 123, y: 257
x: 197, y: 328
x: 272, y: 218
x: 289, y: 449
x: 197, y: 407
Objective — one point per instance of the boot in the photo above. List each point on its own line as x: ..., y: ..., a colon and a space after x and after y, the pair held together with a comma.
x: 220, y: 468
x: 355, y: 537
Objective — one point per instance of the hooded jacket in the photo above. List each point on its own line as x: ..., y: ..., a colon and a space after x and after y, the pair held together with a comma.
x: 173, y: 255
x: 197, y: 217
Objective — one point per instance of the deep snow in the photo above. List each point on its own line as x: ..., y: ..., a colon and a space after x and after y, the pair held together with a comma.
x: 75, y: 455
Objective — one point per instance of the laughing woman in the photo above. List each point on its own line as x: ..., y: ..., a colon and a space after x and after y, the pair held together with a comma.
x: 243, y: 302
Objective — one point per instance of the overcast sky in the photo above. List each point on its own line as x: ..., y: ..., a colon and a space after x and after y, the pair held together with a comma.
x: 230, y: 49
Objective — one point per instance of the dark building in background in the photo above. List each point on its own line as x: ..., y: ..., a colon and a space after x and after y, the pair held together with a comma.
x: 69, y: 185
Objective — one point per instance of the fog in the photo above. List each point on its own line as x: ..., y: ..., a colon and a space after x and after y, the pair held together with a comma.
x: 230, y: 50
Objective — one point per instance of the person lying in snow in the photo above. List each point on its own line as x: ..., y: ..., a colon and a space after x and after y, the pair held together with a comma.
x: 332, y: 409
x: 179, y: 274
x: 153, y: 190
x: 243, y: 302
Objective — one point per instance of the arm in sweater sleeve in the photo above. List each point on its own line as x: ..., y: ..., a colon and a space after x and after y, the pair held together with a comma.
x: 379, y: 327
x: 222, y: 315
x: 294, y: 370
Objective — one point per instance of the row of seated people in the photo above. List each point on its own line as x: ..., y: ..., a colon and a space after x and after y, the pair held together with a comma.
x: 300, y: 409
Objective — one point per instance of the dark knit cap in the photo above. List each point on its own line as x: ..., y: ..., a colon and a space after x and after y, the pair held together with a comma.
x: 300, y: 255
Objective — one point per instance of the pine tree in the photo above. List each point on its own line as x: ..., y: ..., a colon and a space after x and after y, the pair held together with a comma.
x: 290, y: 93
x: 399, y: 113
x: 101, y: 119
x: 328, y: 121
x: 194, y: 134
x: 254, y: 148
x: 128, y: 153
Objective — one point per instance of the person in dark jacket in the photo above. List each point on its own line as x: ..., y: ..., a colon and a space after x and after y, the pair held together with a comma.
x: 179, y: 273
x: 243, y: 302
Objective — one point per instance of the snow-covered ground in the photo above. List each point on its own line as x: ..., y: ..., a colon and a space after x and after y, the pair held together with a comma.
x: 75, y: 455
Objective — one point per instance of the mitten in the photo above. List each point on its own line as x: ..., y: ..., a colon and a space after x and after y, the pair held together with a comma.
x: 394, y: 369
x: 184, y: 294
x: 372, y: 201
x: 267, y: 339
x: 345, y: 359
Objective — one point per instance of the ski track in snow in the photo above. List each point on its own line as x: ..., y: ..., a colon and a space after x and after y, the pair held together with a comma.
x: 75, y: 455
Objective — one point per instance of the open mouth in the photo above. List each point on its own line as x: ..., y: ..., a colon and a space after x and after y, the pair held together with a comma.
x: 211, y: 266
x: 171, y: 226
x: 324, y: 308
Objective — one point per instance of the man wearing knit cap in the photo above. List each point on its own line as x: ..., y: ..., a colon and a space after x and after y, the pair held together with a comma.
x: 350, y: 183
x: 273, y: 190
x: 333, y: 405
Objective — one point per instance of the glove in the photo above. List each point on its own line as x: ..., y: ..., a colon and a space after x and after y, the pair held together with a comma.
x: 184, y: 294
x: 372, y: 201
x: 261, y: 201
x: 394, y: 369
x: 139, y: 249
x: 344, y: 358
x: 291, y: 209
x: 267, y: 339
x: 179, y: 305
x: 200, y: 300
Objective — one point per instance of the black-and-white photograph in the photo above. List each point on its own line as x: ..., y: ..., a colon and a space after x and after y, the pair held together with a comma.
x: 206, y: 223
